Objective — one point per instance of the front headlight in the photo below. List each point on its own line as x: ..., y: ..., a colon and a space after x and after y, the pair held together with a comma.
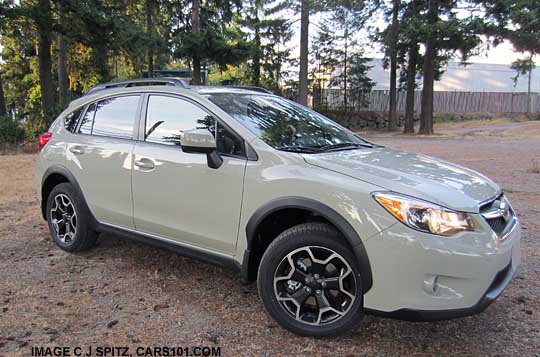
x: 424, y: 216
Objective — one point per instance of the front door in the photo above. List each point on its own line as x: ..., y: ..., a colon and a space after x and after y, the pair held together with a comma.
x: 175, y: 194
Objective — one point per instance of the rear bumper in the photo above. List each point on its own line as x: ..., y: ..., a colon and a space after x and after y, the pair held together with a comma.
x: 499, y: 284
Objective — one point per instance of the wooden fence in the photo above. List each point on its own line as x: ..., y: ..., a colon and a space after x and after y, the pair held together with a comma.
x: 444, y: 102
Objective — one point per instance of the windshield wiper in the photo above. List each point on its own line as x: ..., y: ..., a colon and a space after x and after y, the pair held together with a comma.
x: 345, y: 146
x: 299, y: 149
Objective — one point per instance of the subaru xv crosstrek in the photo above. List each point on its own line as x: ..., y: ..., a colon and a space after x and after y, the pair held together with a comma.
x: 330, y: 225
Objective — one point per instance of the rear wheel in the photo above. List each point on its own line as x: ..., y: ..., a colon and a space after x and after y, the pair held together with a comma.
x: 310, y: 283
x: 68, y: 225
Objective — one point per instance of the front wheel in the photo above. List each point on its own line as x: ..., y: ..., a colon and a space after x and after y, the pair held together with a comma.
x: 309, y: 282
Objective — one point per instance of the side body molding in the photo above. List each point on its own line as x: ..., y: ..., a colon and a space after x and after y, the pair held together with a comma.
x: 320, y: 209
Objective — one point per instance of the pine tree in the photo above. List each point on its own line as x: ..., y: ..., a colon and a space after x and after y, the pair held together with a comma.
x: 212, y: 40
x: 268, y: 32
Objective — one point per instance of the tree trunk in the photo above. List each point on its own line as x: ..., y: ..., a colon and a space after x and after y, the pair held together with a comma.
x: 345, y: 84
x: 150, y: 32
x: 44, y: 24
x: 63, y: 82
x: 411, y: 88
x: 62, y: 69
x: 304, y: 48
x: 392, y: 110
x: 100, y: 56
x: 3, y: 111
x: 196, y: 29
x: 426, y: 117
x: 529, y: 85
x: 257, y: 59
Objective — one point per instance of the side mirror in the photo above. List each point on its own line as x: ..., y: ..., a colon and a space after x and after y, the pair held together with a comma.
x: 203, y: 142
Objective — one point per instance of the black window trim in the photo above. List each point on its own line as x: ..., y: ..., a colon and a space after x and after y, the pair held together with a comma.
x: 144, y: 110
x: 135, y: 118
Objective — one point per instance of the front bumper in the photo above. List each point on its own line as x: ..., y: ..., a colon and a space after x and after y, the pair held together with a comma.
x: 422, y: 277
x: 501, y: 281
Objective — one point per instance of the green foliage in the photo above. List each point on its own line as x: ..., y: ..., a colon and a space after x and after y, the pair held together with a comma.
x: 267, y: 30
x: 243, y: 42
x: 360, y: 85
x: 219, y: 41
x: 338, y: 59
x: 522, y: 67
x: 11, y: 132
x: 515, y: 20
x: 231, y: 75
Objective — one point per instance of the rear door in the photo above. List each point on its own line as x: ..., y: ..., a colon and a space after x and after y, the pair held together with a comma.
x: 175, y: 194
x: 100, y: 157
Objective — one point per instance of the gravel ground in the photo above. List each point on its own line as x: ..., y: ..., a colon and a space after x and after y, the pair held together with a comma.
x: 126, y: 294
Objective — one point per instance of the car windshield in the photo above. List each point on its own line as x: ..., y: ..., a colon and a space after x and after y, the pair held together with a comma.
x: 284, y: 124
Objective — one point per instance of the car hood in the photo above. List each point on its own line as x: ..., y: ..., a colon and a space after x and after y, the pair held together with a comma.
x: 416, y: 175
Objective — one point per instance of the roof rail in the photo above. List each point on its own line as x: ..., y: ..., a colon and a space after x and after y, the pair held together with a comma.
x: 161, y: 81
x: 253, y: 88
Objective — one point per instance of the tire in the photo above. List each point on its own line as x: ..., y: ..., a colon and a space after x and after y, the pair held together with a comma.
x: 277, y: 296
x: 78, y: 236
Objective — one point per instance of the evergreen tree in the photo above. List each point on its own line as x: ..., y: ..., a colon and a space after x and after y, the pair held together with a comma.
x: 360, y: 85
x: 268, y: 32
x: 443, y: 33
x: 347, y: 18
x: 212, y: 38
x: 323, y: 63
x: 517, y: 21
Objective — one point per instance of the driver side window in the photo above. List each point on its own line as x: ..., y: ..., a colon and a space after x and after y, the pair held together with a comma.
x: 167, y: 118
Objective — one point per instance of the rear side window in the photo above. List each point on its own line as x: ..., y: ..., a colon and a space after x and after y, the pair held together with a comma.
x: 70, y: 121
x: 112, y: 117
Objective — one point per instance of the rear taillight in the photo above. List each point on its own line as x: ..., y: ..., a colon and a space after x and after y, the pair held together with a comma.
x: 44, y: 139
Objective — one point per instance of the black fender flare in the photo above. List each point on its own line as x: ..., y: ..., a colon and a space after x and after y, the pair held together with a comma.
x: 62, y: 170
x: 348, y: 232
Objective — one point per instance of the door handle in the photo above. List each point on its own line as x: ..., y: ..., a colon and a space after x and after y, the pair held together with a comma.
x: 77, y: 150
x: 146, y: 164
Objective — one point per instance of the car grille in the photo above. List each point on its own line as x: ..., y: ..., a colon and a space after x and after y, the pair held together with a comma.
x: 497, y: 224
x: 499, y: 214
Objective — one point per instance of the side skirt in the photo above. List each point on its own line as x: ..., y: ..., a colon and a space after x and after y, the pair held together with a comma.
x: 206, y: 256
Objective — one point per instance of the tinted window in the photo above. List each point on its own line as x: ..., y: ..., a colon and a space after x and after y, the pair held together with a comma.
x: 70, y: 122
x: 115, y: 117
x: 167, y: 118
x: 87, y: 120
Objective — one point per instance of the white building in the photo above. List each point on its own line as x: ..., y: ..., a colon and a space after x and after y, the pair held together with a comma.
x: 476, y: 77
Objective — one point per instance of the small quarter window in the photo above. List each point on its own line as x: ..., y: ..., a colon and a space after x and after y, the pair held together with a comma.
x: 229, y: 143
x: 88, y: 120
x: 70, y: 121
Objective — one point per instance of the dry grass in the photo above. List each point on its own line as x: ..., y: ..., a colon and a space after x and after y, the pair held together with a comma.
x: 17, y: 178
x: 472, y: 124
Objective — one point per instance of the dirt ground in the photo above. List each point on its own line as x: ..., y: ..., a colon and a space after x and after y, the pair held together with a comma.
x: 126, y: 294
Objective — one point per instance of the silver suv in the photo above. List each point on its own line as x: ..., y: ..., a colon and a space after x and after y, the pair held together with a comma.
x: 329, y: 225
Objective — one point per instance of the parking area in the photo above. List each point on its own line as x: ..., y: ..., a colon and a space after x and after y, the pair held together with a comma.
x: 126, y: 294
